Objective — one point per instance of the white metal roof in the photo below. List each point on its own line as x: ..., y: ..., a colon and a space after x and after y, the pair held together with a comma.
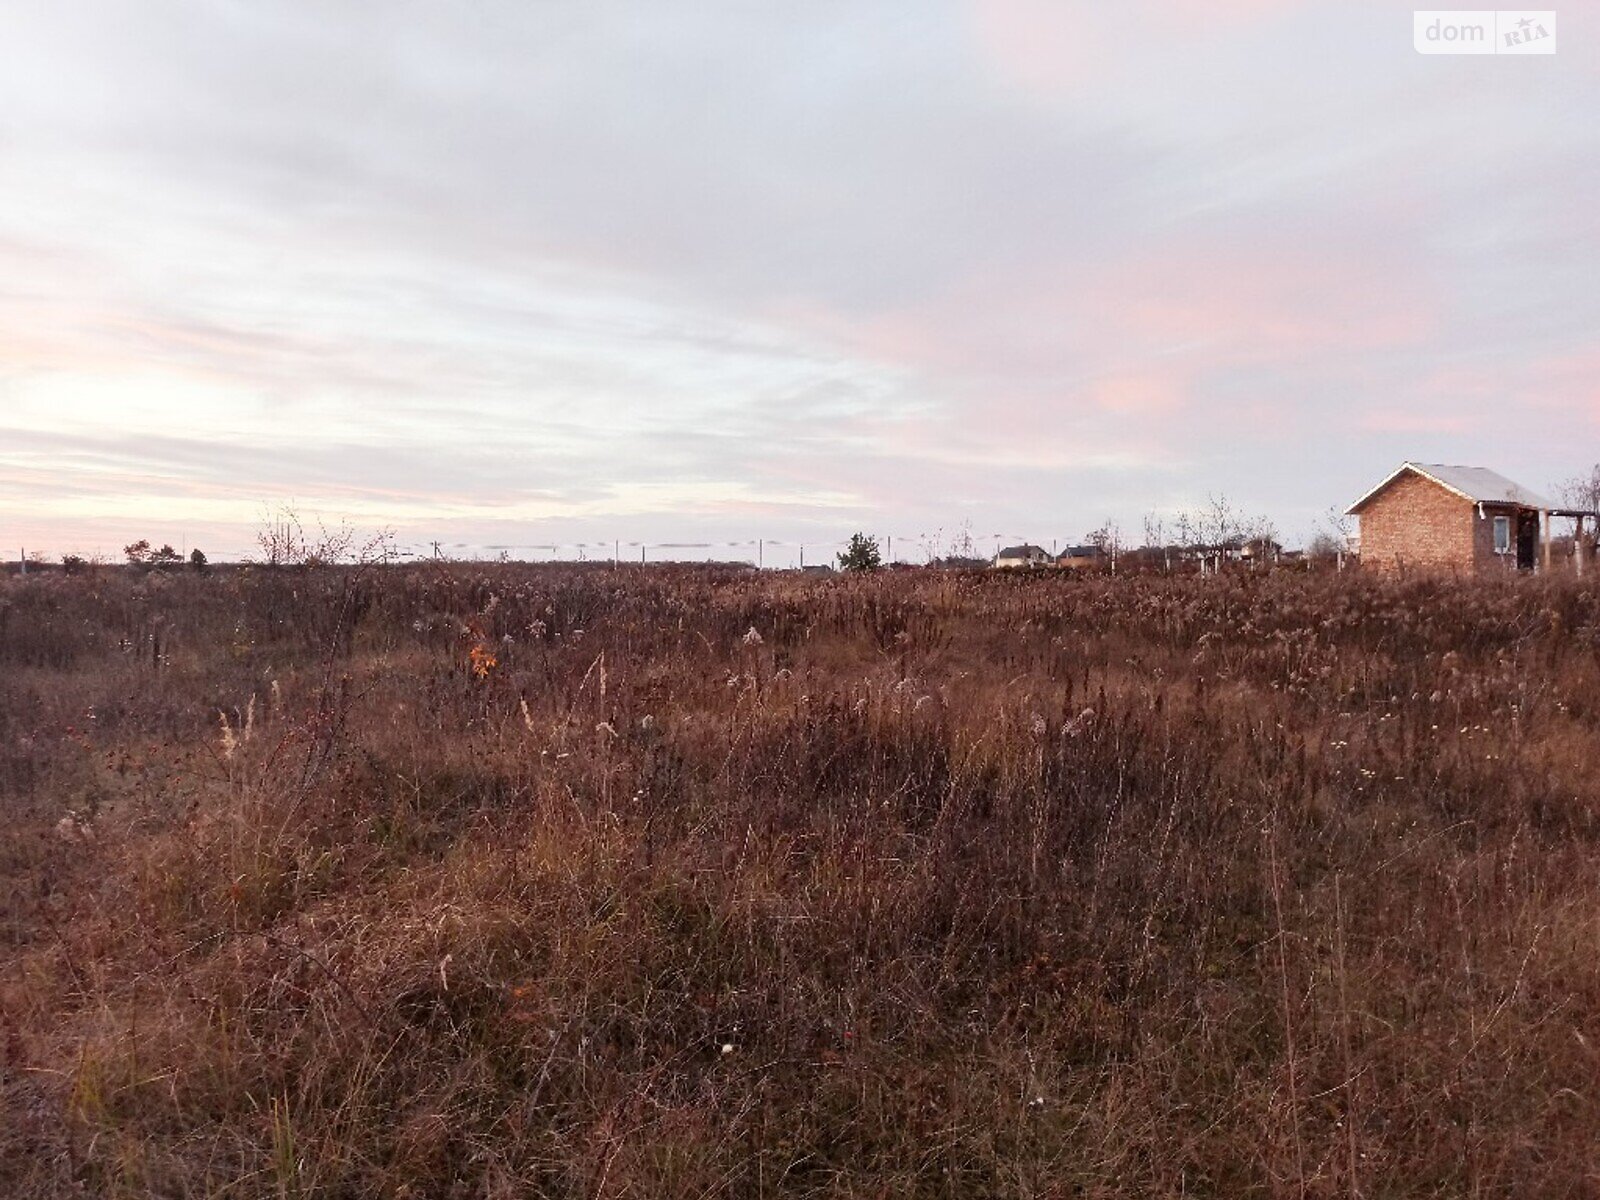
x: 1478, y: 484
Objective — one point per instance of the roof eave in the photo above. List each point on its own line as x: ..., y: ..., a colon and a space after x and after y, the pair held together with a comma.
x: 1354, y: 509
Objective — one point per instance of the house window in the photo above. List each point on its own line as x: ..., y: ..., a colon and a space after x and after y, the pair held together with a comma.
x: 1502, y: 535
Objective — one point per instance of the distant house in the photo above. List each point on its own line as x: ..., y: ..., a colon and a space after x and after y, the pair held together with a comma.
x: 1079, y: 557
x: 1469, y: 519
x: 1261, y: 549
x: 1022, y: 556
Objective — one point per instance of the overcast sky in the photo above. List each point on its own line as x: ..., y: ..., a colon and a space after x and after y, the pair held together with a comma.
x: 529, y: 273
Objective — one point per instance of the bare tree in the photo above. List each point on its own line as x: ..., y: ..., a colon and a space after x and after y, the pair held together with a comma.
x: 1216, y: 525
x: 286, y: 541
x: 1219, y: 529
x: 1155, y: 540
x: 1108, y: 537
x: 1260, y: 531
x: 1225, y: 526
x: 1333, y: 536
x: 1324, y: 546
x: 964, y: 547
x: 1582, y: 492
x: 1188, y: 533
x: 962, y: 550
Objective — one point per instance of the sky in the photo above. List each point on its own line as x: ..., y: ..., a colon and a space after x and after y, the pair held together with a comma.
x: 505, y: 276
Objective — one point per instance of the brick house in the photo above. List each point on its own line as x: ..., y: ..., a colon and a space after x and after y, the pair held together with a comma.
x: 1468, y: 519
x: 1080, y: 557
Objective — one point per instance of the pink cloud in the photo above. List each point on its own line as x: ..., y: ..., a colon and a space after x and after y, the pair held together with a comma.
x: 1050, y: 48
x: 1565, y: 384
x: 1142, y: 330
x: 1391, y: 421
x: 1477, y: 395
x: 1265, y: 301
x: 1143, y: 357
x: 1142, y: 393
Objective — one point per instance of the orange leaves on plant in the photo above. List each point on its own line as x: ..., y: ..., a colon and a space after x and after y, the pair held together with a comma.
x: 483, y: 660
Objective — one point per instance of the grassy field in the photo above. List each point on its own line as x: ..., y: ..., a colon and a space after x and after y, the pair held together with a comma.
x: 655, y: 882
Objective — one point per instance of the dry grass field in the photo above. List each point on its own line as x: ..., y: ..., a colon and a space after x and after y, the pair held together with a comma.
x: 658, y: 882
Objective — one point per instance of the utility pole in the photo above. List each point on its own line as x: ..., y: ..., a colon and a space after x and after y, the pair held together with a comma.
x: 761, y: 553
x: 889, y: 537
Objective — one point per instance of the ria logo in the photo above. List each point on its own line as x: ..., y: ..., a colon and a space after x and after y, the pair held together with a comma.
x: 1528, y: 31
x: 1484, y: 31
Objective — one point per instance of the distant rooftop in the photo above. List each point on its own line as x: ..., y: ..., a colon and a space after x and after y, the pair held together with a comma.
x: 1478, y: 484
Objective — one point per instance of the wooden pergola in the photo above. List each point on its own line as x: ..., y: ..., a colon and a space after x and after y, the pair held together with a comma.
x: 1578, y: 516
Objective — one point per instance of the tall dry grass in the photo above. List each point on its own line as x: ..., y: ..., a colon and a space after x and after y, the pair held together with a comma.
x: 652, y: 882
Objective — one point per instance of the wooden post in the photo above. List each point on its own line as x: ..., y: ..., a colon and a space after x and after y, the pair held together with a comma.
x: 1544, y: 517
x: 1577, y: 544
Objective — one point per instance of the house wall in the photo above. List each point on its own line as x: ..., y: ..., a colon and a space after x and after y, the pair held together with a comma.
x: 1484, y: 539
x: 1416, y: 523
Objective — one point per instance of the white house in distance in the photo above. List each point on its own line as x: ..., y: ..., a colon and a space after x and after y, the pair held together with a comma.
x: 1022, y: 556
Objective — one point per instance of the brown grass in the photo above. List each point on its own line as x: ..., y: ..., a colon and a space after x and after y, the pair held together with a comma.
x: 555, y: 882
